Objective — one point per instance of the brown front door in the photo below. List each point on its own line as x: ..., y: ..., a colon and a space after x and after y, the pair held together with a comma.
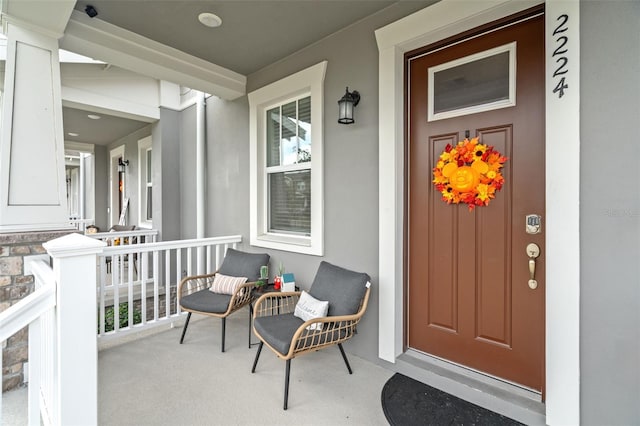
x: 469, y: 301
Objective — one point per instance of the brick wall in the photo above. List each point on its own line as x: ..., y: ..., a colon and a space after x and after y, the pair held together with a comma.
x: 14, y: 285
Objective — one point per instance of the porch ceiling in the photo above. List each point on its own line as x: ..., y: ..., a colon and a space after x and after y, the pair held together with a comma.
x: 253, y: 34
x: 103, y: 131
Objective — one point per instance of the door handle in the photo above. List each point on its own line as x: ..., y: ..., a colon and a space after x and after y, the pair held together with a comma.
x: 533, y: 251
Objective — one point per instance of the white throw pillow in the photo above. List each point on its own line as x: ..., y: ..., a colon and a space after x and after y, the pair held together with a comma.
x: 224, y: 284
x: 308, y: 307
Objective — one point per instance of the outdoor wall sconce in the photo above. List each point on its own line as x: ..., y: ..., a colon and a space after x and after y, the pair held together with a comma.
x: 345, y: 106
x: 122, y: 165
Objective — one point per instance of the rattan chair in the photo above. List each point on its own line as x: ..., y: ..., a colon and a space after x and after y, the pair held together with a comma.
x: 288, y: 336
x: 195, y: 296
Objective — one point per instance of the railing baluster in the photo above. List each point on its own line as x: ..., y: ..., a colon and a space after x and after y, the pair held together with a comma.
x: 36, y: 361
x: 156, y: 274
x: 130, y: 288
x: 115, y: 280
x: 167, y: 284
x: 178, y: 276
x: 144, y: 269
x: 102, y: 289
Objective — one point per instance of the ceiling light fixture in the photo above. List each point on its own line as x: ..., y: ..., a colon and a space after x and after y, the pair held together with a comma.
x: 73, y: 134
x: 93, y: 116
x: 209, y: 19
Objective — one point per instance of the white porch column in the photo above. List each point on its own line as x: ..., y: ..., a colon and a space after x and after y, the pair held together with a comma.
x: 32, y: 180
x: 82, y: 187
x: 74, y: 266
x: 201, y: 124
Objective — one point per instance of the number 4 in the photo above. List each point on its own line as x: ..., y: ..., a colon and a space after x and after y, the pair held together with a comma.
x: 560, y: 87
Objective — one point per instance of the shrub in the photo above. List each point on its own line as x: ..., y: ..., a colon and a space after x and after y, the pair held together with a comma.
x: 109, y: 316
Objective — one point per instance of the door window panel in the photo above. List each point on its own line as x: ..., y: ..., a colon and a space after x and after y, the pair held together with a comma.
x: 476, y: 83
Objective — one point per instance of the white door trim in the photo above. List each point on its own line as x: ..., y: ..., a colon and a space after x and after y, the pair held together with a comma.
x: 439, y: 21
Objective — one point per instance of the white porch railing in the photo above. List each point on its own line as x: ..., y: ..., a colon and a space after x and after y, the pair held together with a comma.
x: 36, y: 311
x: 137, y: 283
x: 139, y: 236
x: 81, y: 224
x: 62, y: 350
x: 61, y: 312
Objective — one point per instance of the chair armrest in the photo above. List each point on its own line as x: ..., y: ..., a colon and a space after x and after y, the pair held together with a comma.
x: 194, y: 283
x: 330, y: 331
x: 276, y: 303
x: 242, y: 296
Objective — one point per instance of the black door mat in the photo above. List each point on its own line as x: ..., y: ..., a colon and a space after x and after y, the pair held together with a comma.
x: 409, y: 402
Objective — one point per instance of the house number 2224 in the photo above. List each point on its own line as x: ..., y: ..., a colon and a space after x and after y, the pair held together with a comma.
x: 560, y: 55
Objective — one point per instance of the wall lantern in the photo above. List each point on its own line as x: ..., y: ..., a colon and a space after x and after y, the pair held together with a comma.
x: 345, y: 106
x: 122, y: 165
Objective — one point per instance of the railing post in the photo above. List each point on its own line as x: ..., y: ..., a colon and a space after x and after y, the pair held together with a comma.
x: 74, y: 266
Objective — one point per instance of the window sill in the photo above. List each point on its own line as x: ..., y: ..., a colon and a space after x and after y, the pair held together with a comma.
x: 302, y: 245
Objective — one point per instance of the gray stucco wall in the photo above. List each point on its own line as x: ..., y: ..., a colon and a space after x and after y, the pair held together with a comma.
x: 610, y: 212
x: 101, y: 195
x: 228, y: 160
x: 166, y: 175
x: 130, y: 143
x: 351, y: 161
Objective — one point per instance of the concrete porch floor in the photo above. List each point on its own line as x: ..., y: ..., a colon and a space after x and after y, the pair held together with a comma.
x: 157, y: 381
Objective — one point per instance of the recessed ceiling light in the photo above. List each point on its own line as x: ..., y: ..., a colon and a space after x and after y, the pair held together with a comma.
x: 209, y: 19
x: 73, y: 134
x: 93, y: 116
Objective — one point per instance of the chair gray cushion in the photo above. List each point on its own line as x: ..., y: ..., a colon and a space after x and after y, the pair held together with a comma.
x: 240, y: 264
x: 206, y: 301
x: 342, y: 288
x: 278, y: 330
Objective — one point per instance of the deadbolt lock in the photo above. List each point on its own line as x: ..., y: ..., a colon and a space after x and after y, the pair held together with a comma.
x: 533, y: 224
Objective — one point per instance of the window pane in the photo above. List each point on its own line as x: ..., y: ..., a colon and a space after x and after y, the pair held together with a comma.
x: 290, y: 202
x: 149, y: 203
x: 148, y: 166
x: 289, y: 132
x: 475, y: 83
x: 304, y: 130
x: 273, y: 137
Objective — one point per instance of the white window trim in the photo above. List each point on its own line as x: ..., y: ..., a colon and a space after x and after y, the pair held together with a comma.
x: 143, y: 146
x: 309, y: 81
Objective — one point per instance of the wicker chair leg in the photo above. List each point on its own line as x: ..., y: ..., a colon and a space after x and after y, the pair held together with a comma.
x: 184, y: 329
x: 286, y: 383
x: 255, y: 362
x: 344, y: 356
x: 224, y: 325
x: 250, y: 316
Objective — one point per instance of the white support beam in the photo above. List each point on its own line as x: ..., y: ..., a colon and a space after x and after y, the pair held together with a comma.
x: 45, y: 17
x: 98, y: 39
